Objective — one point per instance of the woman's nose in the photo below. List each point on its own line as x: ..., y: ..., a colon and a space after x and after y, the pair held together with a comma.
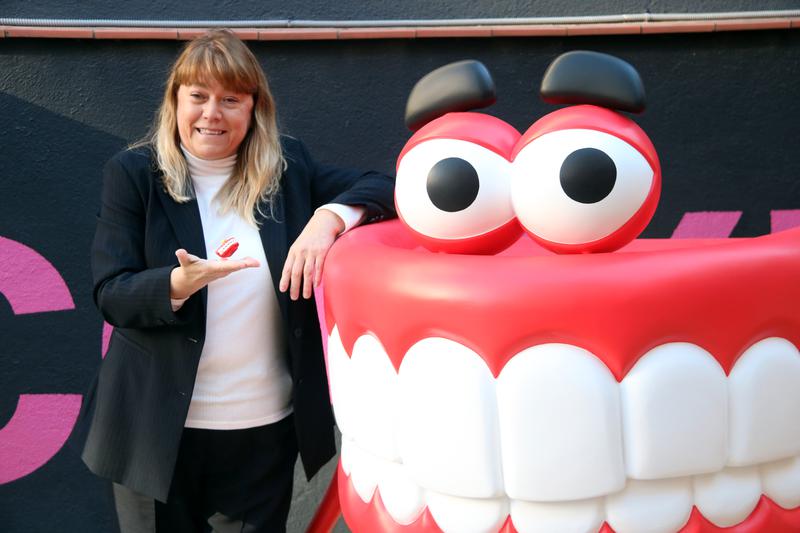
x: 211, y: 110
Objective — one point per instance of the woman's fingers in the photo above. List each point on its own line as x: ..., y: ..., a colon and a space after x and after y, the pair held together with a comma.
x: 249, y: 262
x: 219, y: 269
x: 194, y: 273
x: 298, y: 272
x: 302, y: 270
x: 183, y: 257
x: 286, y: 273
x: 318, y: 262
x: 301, y: 273
x: 308, y: 276
x: 297, y: 277
x: 294, y: 269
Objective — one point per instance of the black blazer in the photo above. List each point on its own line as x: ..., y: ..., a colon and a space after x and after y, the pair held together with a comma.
x: 132, y: 417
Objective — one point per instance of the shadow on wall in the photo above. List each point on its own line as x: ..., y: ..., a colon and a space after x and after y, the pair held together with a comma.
x: 50, y: 168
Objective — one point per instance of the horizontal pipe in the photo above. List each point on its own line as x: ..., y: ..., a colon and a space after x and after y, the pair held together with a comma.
x: 388, y: 23
x: 329, y: 33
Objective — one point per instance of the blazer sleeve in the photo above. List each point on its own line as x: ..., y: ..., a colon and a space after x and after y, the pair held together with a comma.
x: 331, y: 184
x: 127, y: 292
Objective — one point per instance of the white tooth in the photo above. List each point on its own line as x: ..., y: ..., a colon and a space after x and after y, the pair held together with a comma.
x: 447, y: 409
x: 662, y: 506
x: 727, y: 497
x: 464, y: 515
x: 674, y: 413
x: 583, y: 516
x: 403, y: 499
x: 765, y: 403
x: 374, y: 383
x: 559, y: 425
x: 342, y: 389
x: 365, y: 471
x: 781, y: 482
x: 344, y: 455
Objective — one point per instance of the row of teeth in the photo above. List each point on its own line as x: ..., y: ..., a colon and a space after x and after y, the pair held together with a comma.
x: 205, y: 131
x: 725, y: 498
x: 555, y: 425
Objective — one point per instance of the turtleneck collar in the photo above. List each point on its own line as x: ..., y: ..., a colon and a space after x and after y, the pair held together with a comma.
x: 205, y: 168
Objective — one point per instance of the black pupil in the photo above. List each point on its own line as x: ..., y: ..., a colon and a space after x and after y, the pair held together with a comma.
x: 588, y: 175
x: 453, y: 184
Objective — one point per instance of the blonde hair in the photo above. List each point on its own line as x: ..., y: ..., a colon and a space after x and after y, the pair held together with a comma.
x: 221, y: 57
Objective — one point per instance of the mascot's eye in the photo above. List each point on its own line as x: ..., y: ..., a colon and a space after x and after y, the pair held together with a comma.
x: 573, y: 189
x: 453, y: 193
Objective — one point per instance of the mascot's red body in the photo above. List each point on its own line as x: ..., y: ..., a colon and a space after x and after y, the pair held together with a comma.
x: 508, y: 357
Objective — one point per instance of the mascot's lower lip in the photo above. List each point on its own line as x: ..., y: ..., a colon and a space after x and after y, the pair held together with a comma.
x: 716, y: 294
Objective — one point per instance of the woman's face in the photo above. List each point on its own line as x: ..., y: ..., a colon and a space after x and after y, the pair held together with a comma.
x: 212, y: 121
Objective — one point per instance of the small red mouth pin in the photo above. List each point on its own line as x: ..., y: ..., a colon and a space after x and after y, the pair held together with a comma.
x: 227, y: 248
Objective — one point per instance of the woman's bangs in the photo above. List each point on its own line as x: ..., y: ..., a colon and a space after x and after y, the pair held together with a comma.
x: 206, y: 66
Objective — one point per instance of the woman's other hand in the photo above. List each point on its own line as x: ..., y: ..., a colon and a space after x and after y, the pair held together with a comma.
x: 194, y: 273
x: 303, y: 266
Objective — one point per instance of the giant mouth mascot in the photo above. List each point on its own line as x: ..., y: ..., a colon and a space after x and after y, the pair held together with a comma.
x: 508, y: 357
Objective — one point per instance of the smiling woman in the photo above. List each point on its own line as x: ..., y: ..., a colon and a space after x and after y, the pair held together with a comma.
x: 214, y: 377
x: 218, y: 99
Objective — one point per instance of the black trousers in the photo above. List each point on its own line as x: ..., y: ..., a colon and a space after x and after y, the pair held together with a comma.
x: 225, y: 481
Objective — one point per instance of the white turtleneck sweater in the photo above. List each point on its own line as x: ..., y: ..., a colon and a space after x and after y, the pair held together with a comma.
x: 242, y: 380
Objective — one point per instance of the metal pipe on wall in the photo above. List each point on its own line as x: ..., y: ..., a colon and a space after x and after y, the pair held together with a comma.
x: 382, y: 23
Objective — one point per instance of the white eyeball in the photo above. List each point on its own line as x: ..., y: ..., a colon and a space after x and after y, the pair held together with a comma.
x: 453, y: 190
x: 578, y: 186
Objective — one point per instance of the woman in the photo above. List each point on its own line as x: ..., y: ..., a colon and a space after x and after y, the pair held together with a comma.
x: 214, y: 376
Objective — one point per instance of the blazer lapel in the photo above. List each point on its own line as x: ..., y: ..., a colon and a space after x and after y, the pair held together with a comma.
x: 185, y: 221
x: 273, y: 238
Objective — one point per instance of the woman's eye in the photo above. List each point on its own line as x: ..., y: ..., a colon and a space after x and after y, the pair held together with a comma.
x: 573, y: 190
x: 451, y: 193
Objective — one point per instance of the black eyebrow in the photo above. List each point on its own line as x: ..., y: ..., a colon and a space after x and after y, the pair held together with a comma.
x: 460, y: 86
x: 585, y: 77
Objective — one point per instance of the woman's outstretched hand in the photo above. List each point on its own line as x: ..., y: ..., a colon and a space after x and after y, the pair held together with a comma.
x: 303, y: 266
x: 194, y: 273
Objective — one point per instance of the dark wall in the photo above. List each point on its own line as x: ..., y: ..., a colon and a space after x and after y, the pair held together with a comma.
x: 723, y: 114
x: 374, y: 9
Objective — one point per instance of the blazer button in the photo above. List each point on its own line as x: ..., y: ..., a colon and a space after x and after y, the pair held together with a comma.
x: 298, y: 332
x: 191, y: 339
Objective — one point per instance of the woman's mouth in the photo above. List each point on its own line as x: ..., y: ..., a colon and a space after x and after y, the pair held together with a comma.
x: 209, y: 131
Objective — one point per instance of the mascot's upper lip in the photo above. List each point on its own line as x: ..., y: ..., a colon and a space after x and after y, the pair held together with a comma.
x: 477, y: 300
